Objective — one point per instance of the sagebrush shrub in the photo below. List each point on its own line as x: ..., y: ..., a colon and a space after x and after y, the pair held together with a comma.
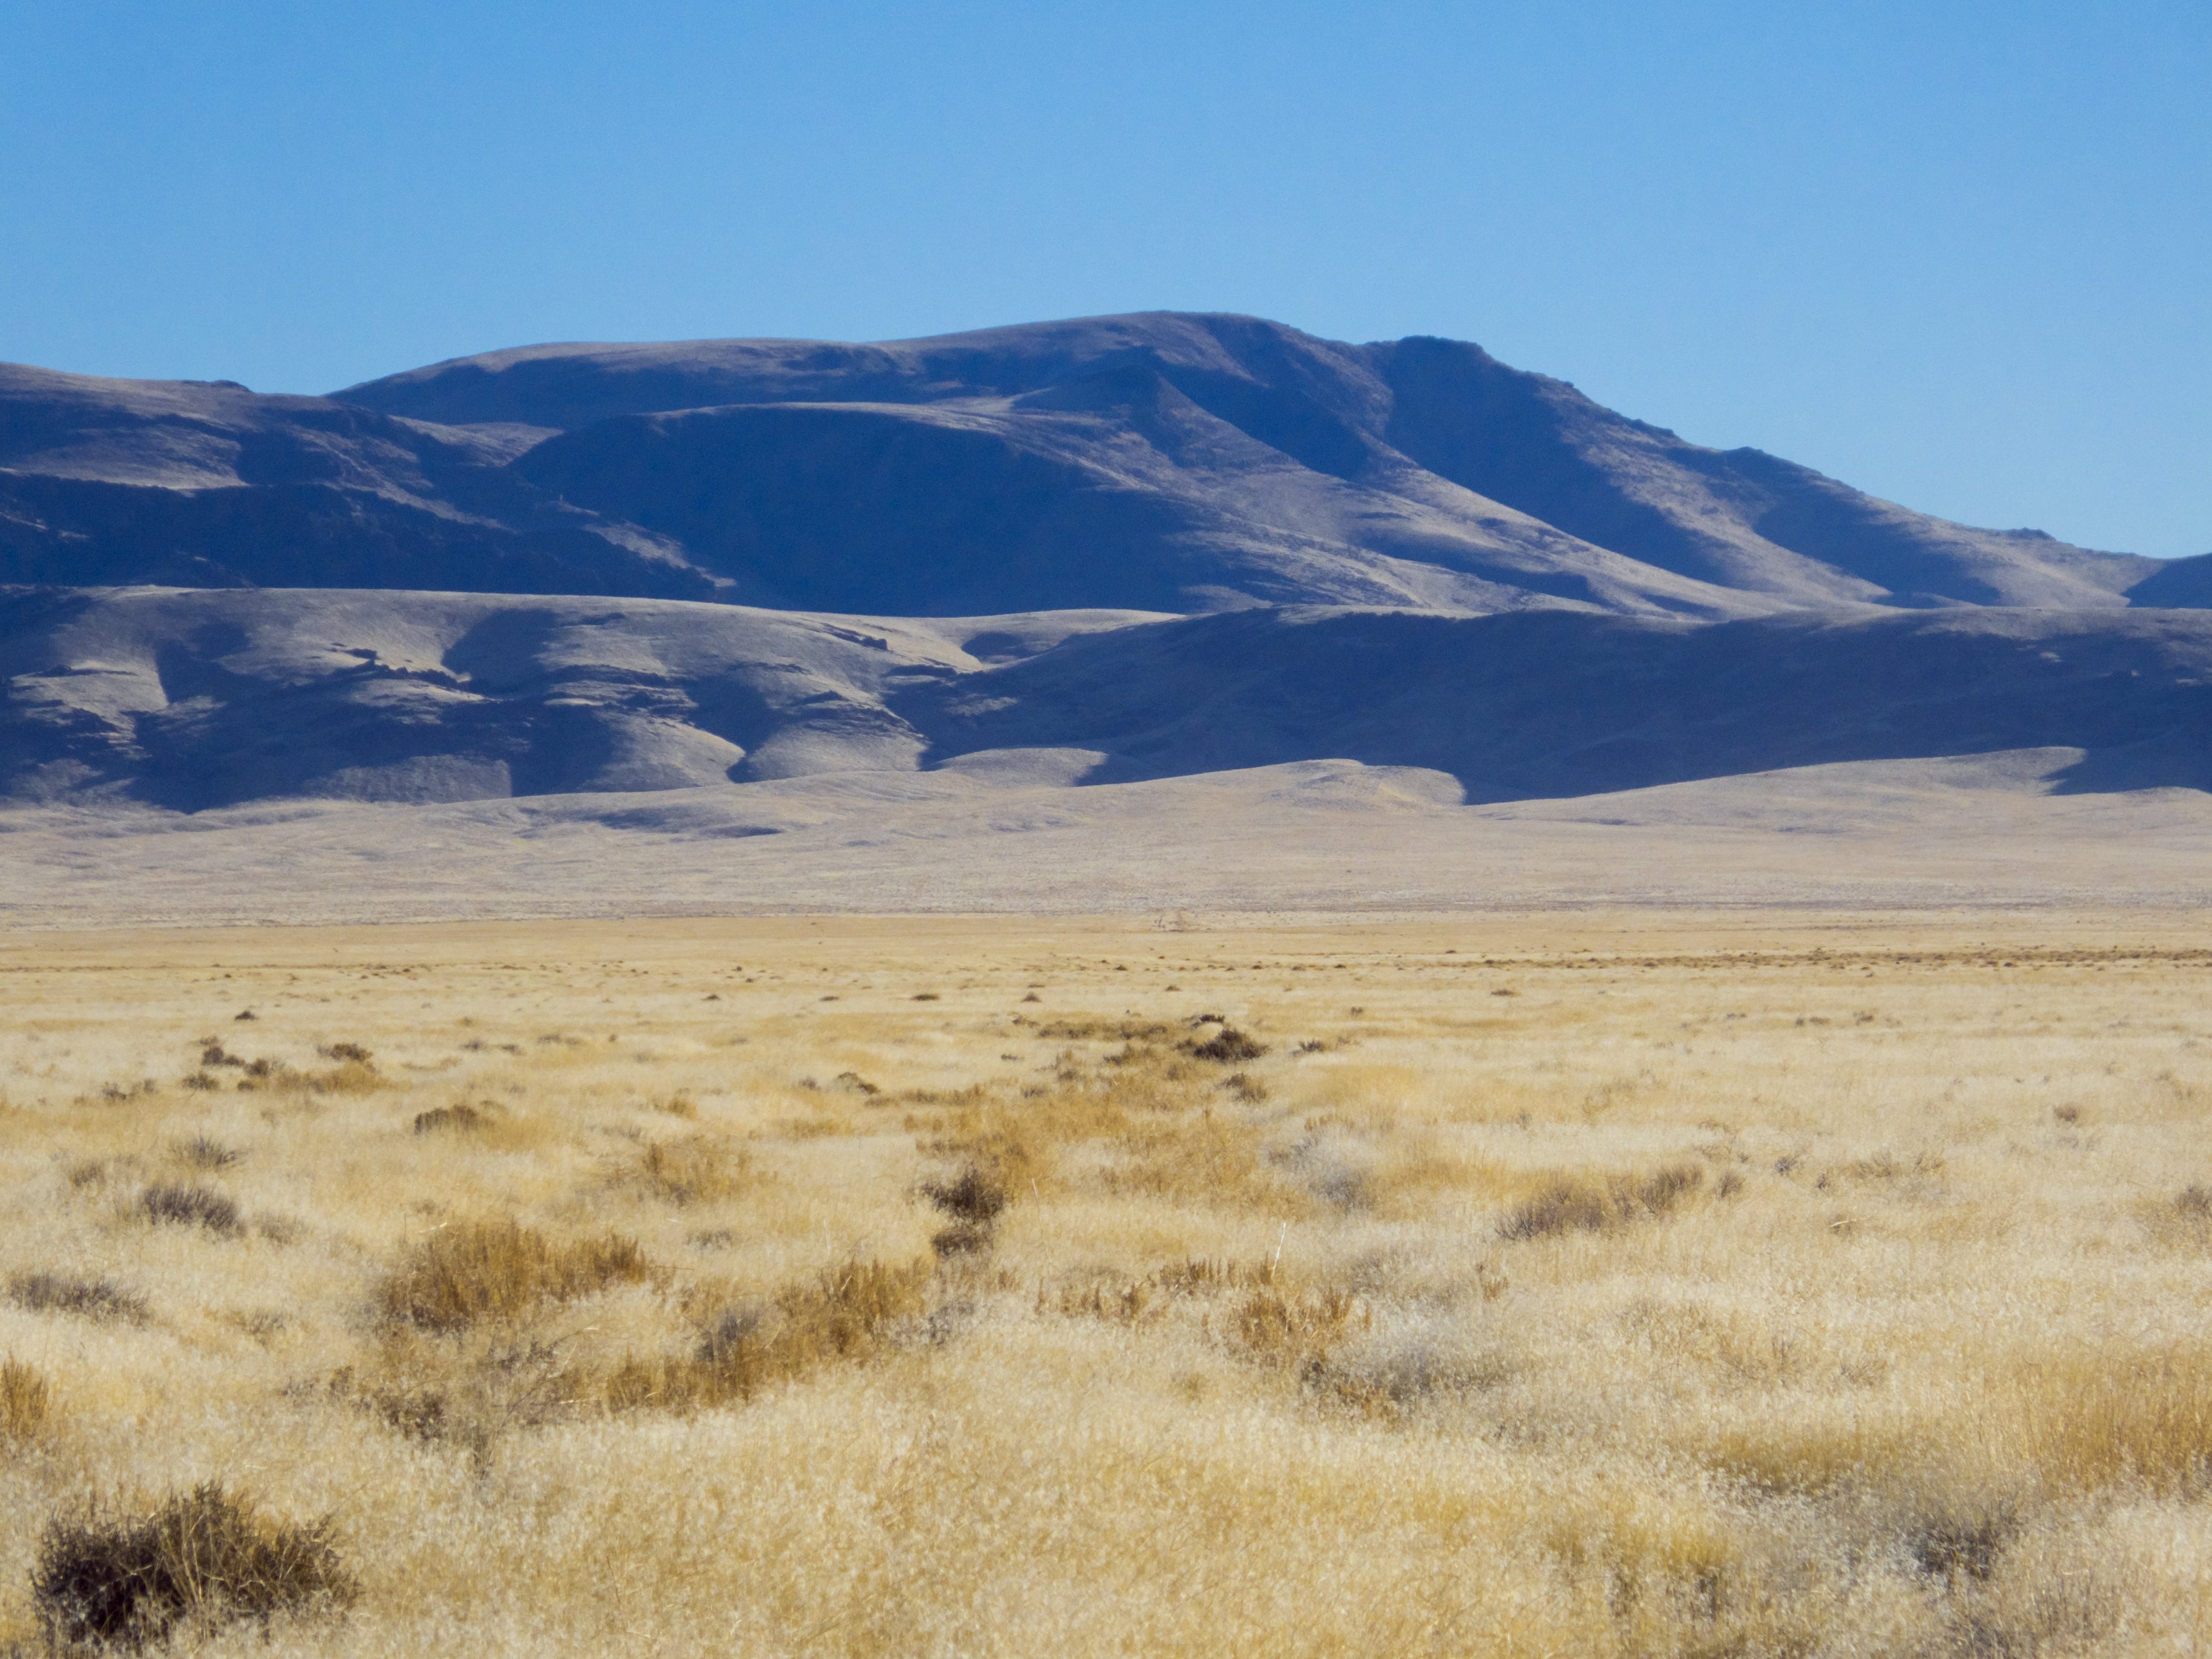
x: 207, y: 1553
x: 190, y: 1206
x: 95, y: 1298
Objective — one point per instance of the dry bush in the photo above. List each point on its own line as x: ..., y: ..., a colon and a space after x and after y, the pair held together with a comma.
x: 441, y: 1120
x: 469, y: 1393
x: 1296, y: 1332
x: 207, y: 1555
x: 845, y: 1314
x: 696, y: 1170
x: 24, y: 1400
x: 188, y: 1206
x: 1228, y: 1046
x: 973, y: 1202
x: 976, y: 1197
x: 352, y: 1052
x: 93, y: 1298
x: 487, y: 1270
x: 1568, y: 1203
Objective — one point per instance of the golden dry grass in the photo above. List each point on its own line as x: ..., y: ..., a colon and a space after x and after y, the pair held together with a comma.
x: 1614, y: 1285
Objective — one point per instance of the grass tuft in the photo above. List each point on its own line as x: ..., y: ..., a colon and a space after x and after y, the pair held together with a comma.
x: 25, y: 1401
x: 1568, y: 1203
x: 442, y: 1120
x: 844, y: 1315
x: 696, y: 1170
x: 501, y: 1269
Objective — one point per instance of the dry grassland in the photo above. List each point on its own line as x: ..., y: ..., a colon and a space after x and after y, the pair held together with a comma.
x: 1587, y: 1286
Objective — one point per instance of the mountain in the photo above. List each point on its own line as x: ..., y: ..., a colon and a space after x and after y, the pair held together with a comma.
x: 190, y: 699
x: 1161, y: 462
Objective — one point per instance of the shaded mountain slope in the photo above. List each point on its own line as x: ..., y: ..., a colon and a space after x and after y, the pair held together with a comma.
x: 193, y: 699
x: 1161, y: 461
x: 1739, y: 519
x: 212, y: 485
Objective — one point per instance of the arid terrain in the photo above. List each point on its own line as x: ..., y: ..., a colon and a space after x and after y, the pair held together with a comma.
x: 1625, y: 1282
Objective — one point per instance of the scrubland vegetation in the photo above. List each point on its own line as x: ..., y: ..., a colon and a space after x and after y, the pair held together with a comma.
x: 874, y: 1288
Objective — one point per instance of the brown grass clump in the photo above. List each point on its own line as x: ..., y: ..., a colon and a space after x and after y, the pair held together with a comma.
x: 353, y: 1074
x: 442, y: 1120
x: 845, y: 1314
x: 188, y: 1206
x: 93, y: 1298
x: 692, y: 1171
x: 2098, y: 1419
x: 24, y: 1400
x: 501, y: 1269
x: 1571, y: 1204
x: 1296, y: 1332
x: 207, y: 1555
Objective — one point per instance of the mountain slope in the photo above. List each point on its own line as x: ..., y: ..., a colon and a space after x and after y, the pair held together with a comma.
x: 1442, y: 410
x: 212, y: 485
x: 1161, y: 461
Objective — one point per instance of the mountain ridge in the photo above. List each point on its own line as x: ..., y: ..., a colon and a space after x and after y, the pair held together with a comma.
x: 1185, y: 462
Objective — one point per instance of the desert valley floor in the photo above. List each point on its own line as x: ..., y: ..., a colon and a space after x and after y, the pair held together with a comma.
x: 1612, y: 1280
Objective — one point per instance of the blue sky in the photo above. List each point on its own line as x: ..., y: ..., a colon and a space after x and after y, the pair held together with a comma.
x: 1957, y: 254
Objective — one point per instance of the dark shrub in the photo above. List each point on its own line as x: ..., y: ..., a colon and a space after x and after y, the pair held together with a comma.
x: 190, y: 1206
x: 1228, y: 1045
x: 95, y: 1298
x: 128, y: 1581
x: 975, y: 1198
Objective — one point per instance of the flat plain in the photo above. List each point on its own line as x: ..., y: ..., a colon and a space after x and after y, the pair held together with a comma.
x: 1614, y: 1282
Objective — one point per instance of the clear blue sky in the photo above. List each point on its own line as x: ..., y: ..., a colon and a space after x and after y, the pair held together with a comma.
x: 1957, y: 254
